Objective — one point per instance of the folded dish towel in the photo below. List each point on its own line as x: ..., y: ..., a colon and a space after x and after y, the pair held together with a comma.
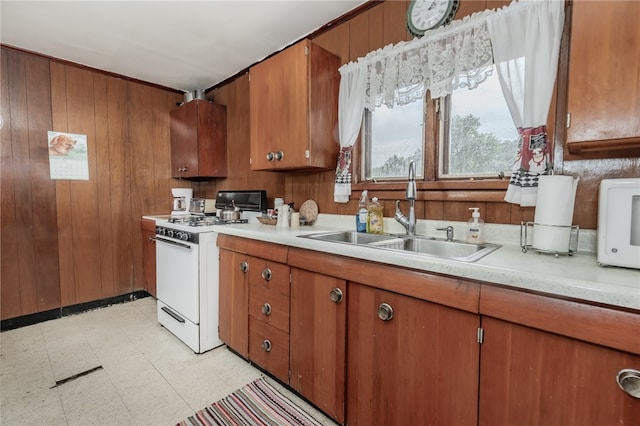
x: 342, y: 190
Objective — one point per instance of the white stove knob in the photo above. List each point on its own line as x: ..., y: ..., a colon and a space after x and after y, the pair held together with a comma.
x: 184, y: 236
x: 170, y: 233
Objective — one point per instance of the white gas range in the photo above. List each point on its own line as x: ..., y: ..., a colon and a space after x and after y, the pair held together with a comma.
x: 187, y: 270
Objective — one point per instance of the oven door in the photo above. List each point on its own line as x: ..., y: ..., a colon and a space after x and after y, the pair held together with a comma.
x: 177, y: 275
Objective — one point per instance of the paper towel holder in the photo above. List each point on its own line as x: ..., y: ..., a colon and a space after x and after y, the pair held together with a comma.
x: 525, y: 243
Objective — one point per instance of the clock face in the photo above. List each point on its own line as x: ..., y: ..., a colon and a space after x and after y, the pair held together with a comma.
x: 424, y: 15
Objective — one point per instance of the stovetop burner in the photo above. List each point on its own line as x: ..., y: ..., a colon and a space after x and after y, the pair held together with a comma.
x: 200, y: 220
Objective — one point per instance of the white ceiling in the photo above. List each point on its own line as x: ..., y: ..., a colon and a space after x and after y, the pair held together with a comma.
x: 184, y: 45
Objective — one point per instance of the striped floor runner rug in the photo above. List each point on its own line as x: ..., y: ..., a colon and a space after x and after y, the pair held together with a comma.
x: 259, y: 403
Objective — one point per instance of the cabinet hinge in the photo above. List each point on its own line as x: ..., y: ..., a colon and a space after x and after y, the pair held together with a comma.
x: 480, y: 336
x: 250, y: 161
x: 306, y: 50
x: 290, y: 278
x: 437, y: 106
x: 307, y: 154
x: 568, y: 120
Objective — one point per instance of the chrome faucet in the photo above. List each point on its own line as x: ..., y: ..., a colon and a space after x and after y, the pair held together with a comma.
x: 409, y: 222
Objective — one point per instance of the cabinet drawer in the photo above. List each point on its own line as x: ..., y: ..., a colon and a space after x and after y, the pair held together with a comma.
x: 269, y: 348
x: 270, y: 307
x: 271, y: 275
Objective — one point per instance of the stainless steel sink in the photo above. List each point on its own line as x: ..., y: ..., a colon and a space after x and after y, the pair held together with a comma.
x: 351, y: 237
x: 455, y: 250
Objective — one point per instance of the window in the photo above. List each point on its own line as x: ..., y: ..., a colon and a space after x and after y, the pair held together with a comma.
x: 393, y: 138
x: 477, y: 137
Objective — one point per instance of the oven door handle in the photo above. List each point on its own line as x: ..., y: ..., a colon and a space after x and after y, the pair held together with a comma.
x: 175, y: 243
x: 173, y: 314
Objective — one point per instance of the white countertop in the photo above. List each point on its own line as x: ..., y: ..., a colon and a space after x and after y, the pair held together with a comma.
x: 577, y: 277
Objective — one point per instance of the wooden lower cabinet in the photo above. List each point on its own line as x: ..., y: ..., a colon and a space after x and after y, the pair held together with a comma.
x: 318, y: 340
x: 149, y: 255
x: 532, y: 377
x: 233, y: 326
x: 416, y: 367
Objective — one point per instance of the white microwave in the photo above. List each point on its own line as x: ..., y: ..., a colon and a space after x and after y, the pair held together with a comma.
x: 619, y: 223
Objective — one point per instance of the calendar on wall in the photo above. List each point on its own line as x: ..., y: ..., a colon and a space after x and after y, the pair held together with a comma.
x: 68, y: 156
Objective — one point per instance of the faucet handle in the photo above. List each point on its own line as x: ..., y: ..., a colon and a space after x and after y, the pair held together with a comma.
x: 449, y: 230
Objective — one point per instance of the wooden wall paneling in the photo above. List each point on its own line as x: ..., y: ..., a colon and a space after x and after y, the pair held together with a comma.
x: 336, y: 41
x: 59, y: 114
x: 84, y: 198
x: 359, y: 36
x: 497, y: 213
x: 521, y: 214
x: 141, y: 142
x: 45, y: 241
x: 10, y: 305
x: 376, y: 23
x: 121, y: 118
x: 22, y: 183
x: 459, y: 210
x: 395, y: 19
x: 104, y: 238
x: 161, y: 152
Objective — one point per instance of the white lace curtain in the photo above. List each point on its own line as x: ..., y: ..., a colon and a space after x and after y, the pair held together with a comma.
x: 458, y: 55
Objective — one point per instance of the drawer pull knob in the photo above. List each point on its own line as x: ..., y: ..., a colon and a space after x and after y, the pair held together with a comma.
x: 385, y: 312
x: 244, y: 266
x: 266, y: 345
x: 279, y: 155
x: 266, y: 274
x: 336, y: 295
x: 629, y: 381
x: 266, y: 309
x: 271, y: 156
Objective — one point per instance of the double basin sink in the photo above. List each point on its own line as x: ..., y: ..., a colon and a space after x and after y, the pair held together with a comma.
x: 454, y: 250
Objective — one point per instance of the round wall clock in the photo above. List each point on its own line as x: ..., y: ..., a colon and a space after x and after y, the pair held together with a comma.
x: 424, y: 15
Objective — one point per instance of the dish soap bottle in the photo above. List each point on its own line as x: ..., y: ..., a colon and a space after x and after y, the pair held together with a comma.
x: 362, y: 213
x: 475, y: 227
x: 375, y: 222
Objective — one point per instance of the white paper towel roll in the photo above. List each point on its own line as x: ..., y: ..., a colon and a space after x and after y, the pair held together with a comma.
x: 554, y: 213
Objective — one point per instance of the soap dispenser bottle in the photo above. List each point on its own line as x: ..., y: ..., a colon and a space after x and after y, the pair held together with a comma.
x: 362, y: 214
x: 375, y: 222
x: 475, y: 227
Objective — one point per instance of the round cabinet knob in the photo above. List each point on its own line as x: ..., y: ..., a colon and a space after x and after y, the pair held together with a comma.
x: 266, y: 345
x: 270, y: 156
x: 279, y: 155
x: 629, y: 381
x: 336, y: 295
x: 266, y: 309
x: 266, y: 274
x: 244, y: 267
x: 385, y: 312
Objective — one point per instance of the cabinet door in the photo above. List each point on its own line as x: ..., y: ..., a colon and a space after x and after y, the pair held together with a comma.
x: 234, y: 299
x: 532, y: 377
x: 279, y: 109
x: 419, y: 366
x: 199, y: 140
x: 604, y: 89
x: 184, y: 140
x: 149, y: 255
x: 318, y: 333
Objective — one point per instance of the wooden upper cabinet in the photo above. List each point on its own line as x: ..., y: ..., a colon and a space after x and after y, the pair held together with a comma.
x: 294, y: 109
x: 604, y: 88
x: 199, y: 140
